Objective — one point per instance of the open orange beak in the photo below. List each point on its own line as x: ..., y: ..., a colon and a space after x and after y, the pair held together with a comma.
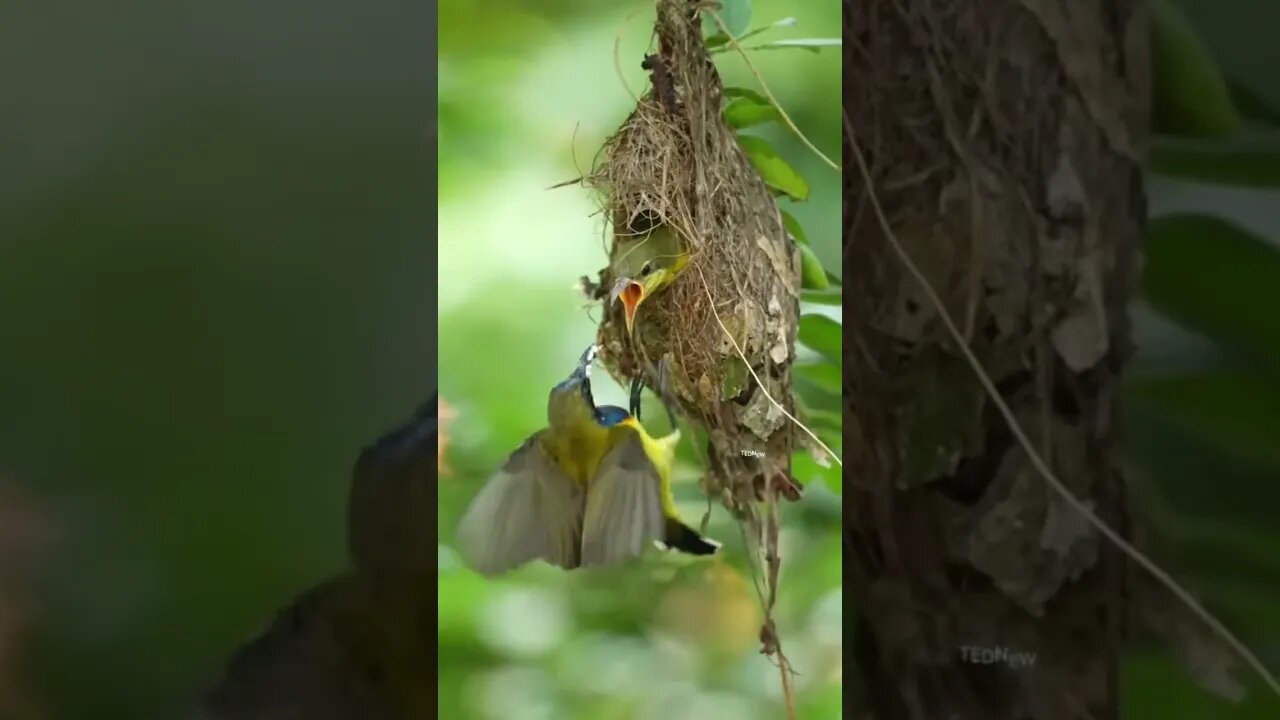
x: 630, y: 293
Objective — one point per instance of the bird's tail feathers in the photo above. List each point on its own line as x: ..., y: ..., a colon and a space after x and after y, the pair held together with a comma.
x: 687, y: 540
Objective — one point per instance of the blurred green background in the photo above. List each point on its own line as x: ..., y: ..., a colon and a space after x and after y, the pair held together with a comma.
x: 1202, y: 398
x: 216, y: 282
x: 528, y: 92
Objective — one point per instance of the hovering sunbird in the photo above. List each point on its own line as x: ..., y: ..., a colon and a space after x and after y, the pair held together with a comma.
x: 590, y: 489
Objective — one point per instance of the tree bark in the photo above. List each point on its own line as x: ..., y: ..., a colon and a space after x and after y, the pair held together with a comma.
x: 1004, y: 142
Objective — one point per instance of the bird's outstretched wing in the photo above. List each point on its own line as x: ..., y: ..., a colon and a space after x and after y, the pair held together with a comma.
x: 528, y: 510
x: 624, y: 505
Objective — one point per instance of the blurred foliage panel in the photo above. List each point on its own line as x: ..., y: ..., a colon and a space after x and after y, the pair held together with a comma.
x: 1203, y: 393
x: 212, y: 292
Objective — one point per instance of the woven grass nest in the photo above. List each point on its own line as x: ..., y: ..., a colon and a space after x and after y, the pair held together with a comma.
x: 676, y: 161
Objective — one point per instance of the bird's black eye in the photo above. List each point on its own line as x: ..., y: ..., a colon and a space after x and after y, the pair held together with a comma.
x: 645, y: 269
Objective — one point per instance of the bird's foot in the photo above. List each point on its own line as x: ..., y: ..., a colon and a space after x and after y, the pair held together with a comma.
x: 664, y: 392
x: 637, y: 387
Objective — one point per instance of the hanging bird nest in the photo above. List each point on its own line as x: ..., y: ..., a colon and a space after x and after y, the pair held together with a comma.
x: 676, y: 161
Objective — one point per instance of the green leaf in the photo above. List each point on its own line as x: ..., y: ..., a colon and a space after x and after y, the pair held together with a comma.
x: 745, y: 112
x: 937, y: 415
x: 1207, y: 541
x: 1252, y: 161
x: 805, y: 469
x: 1189, y: 92
x: 739, y: 92
x: 822, y: 335
x: 822, y: 375
x: 824, y: 423
x: 834, y: 477
x: 1251, y: 105
x: 812, y: 275
x: 734, y: 373
x: 775, y: 171
x: 828, y: 426
x: 825, y: 700
x: 1233, y: 409
x: 1214, y: 277
x: 833, y: 295
x: 793, y: 226
x: 810, y: 44
x: 1156, y: 685
x: 720, y: 40
x: 736, y: 15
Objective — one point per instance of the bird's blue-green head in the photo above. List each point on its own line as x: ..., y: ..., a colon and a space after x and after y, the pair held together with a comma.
x: 610, y: 415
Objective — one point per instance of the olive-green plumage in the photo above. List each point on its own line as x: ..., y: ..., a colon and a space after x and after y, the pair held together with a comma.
x: 643, y: 264
x: 591, y: 488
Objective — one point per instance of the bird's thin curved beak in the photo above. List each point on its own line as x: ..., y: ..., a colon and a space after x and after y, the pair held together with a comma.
x: 580, y: 378
x: 588, y: 356
x: 582, y: 373
x: 631, y: 293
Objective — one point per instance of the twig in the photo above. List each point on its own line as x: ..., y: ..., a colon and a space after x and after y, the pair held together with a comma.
x: 755, y: 550
x: 774, y: 564
x: 760, y: 79
x: 573, y: 155
x: 1036, y: 460
x: 784, y: 667
x: 768, y: 631
x: 617, y: 52
x: 566, y: 183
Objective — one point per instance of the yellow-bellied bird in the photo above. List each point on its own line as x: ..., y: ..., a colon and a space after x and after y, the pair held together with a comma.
x: 590, y: 489
x: 642, y: 264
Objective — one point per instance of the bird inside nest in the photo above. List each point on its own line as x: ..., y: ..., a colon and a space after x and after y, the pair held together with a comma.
x: 647, y: 256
